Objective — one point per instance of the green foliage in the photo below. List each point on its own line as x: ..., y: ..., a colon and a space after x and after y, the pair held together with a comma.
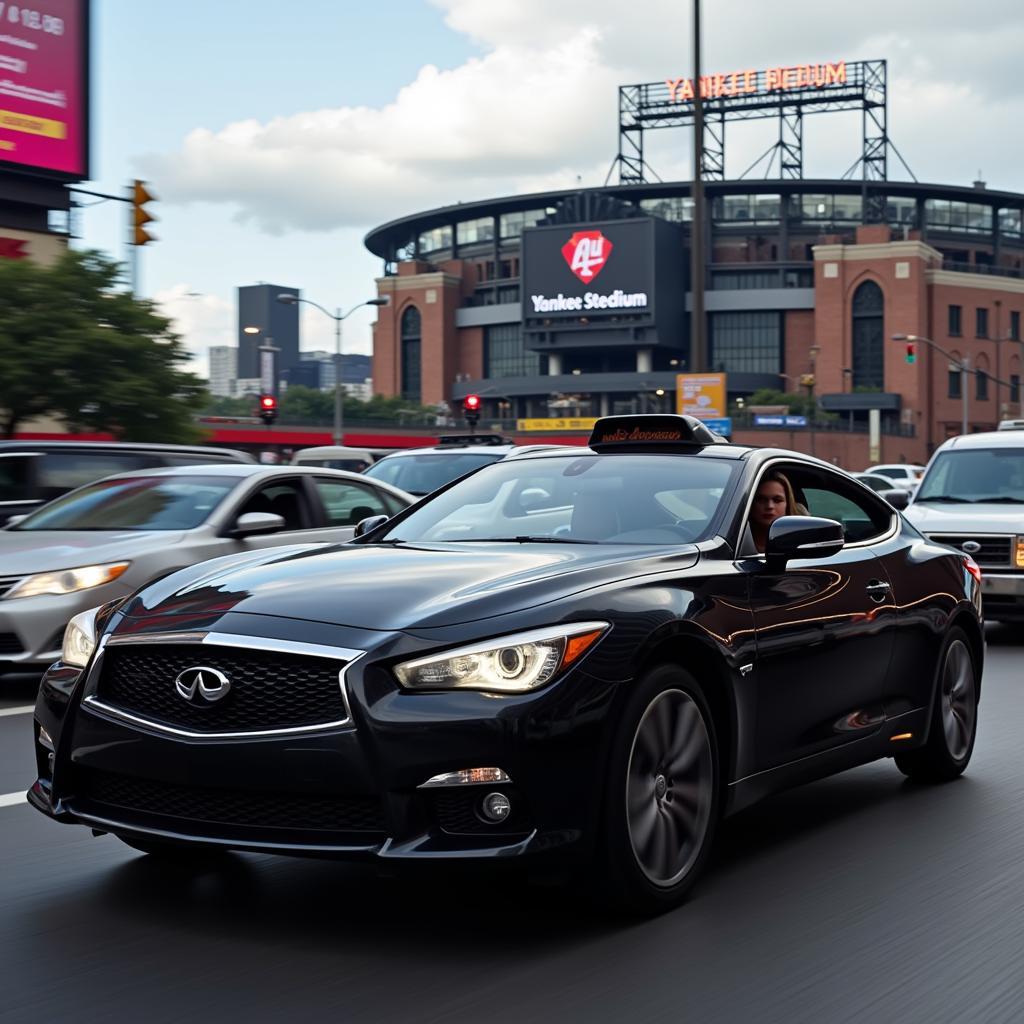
x: 73, y: 345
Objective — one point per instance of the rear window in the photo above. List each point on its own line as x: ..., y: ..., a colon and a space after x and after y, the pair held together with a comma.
x: 59, y: 472
x: 421, y: 474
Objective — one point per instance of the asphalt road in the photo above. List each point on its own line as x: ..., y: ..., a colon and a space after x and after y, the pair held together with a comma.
x: 860, y: 898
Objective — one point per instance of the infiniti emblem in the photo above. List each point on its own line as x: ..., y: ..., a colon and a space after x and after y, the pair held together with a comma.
x: 972, y: 547
x: 208, y: 683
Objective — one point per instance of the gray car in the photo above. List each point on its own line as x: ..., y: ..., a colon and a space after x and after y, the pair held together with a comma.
x: 109, y: 538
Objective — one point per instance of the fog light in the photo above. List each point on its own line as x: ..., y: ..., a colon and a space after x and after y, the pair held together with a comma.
x: 496, y: 807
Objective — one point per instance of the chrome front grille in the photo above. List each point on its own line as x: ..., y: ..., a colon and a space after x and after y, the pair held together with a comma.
x: 273, y: 688
x: 995, y: 551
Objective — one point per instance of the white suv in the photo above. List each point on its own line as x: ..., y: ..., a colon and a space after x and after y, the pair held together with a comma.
x: 972, y: 498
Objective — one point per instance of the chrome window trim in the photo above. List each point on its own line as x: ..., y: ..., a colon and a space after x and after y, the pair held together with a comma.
x: 894, y: 520
x: 234, y: 640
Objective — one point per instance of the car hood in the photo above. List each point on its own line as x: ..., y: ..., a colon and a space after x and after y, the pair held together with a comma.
x: 399, y: 588
x: 23, y: 552
x: 966, y: 518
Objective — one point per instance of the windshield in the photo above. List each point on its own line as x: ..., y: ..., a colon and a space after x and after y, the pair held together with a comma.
x: 605, y: 499
x: 421, y: 474
x: 134, y: 503
x: 977, y: 475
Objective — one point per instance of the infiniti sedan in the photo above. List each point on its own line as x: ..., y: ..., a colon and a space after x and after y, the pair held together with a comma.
x: 578, y: 656
x: 111, y: 537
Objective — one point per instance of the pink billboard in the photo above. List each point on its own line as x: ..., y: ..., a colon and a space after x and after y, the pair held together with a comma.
x: 44, y: 86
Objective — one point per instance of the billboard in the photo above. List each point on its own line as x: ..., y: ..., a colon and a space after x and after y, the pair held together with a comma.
x: 701, y: 395
x: 44, y: 94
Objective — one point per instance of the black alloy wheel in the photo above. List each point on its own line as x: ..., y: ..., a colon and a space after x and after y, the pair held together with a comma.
x: 954, y: 720
x: 663, y: 793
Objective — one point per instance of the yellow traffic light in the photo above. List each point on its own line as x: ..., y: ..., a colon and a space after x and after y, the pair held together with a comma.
x: 140, y: 216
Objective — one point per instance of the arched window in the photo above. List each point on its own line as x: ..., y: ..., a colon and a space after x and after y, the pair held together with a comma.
x: 868, y: 338
x: 411, y: 355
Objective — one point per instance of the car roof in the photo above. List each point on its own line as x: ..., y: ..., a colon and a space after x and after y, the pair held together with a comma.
x: 452, y: 449
x: 989, y: 439
x: 243, y: 471
x: 893, y: 465
x: 329, y: 451
x: 126, y: 446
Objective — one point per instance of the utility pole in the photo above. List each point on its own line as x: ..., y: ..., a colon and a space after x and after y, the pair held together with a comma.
x: 698, y: 341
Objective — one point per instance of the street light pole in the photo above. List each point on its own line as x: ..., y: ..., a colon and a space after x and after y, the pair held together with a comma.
x: 290, y: 300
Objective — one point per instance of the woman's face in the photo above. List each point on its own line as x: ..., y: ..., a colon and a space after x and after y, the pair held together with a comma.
x: 769, y: 503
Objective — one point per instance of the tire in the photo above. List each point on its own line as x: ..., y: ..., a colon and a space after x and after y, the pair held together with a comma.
x: 663, y: 797
x: 954, y: 719
x: 171, y: 850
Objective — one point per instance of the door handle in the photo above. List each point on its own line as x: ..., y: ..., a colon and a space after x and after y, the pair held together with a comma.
x: 878, y: 590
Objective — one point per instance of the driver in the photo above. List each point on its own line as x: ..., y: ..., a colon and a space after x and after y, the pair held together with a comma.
x: 774, y: 498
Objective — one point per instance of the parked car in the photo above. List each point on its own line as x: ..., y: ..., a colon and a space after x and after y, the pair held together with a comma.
x: 333, y: 456
x: 885, y: 487
x: 903, y: 474
x: 972, y: 498
x: 423, y: 470
x: 1011, y: 425
x: 590, y: 678
x: 109, y: 538
x: 34, y: 472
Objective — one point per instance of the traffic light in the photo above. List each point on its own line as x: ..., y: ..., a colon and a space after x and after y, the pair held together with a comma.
x: 471, y: 409
x: 140, y: 216
x: 268, y: 409
x: 911, y: 352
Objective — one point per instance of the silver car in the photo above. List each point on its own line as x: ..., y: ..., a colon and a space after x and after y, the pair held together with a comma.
x: 109, y: 538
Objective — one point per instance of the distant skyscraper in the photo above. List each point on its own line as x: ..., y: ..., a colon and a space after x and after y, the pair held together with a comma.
x: 258, y: 307
x: 223, y: 370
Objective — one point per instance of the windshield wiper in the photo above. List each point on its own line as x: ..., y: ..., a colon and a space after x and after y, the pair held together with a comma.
x: 941, y: 497
x: 998, y: 499
x: 518, y: 540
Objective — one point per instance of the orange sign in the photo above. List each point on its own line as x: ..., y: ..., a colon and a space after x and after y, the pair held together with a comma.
x: 740, y: 83
x: 701, y: 395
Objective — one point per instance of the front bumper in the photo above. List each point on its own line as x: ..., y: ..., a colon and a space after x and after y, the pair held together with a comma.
x: 1002, y: 595
x: 353, y: 791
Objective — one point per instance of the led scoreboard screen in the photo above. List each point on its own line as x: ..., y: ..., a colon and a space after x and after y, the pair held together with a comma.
x: 44, y: 57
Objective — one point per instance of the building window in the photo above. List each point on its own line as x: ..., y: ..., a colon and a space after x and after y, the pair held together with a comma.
x: 505, y: 355
x: 955, y: 321
x: 411, y: 343
x: 981, y: 322
x: 746, y: 342
x: 868, y: 338
x: 1014, y: 387
x: 981, y: 385
x: 513, y: 224
x: 1014, y: 325
x: 436, y: 239
x: 468, y: 232
x: 954, y: 383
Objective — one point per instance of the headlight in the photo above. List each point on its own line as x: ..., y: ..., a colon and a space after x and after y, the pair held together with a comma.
x: 511, y: 664
x: 80, y: 639
x: 67, y: 581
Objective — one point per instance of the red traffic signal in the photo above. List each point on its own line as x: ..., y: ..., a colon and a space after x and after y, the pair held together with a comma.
x: 911, y: 352
x: 268, y: 409
x: 471, y: 409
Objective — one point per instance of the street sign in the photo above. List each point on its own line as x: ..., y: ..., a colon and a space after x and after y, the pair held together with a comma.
x: 701, y: 395
x: 780, y: 421
x: 722, y: 425
x: 576, y: 423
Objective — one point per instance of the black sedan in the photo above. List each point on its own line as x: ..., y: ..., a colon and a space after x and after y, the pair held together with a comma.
x: 584, y: 656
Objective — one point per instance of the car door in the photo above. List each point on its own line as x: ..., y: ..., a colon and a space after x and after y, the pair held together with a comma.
x: 824, y: 629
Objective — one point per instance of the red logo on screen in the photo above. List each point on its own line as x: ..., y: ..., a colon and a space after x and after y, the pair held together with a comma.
x: 586, y: 253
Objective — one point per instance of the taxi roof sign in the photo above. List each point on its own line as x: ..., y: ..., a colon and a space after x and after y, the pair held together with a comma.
x: 657, y: 430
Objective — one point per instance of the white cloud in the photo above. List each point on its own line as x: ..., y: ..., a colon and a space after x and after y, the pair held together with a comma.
x: 537, y: 107
x: 201, y: 320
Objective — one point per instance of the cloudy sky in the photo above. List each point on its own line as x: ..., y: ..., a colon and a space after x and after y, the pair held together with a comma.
x: 275, y: 133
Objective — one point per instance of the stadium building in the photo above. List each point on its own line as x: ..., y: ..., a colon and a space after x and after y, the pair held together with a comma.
x: 576, y: 303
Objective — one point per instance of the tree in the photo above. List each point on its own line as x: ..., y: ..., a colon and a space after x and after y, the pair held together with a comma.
x: 74, y: 345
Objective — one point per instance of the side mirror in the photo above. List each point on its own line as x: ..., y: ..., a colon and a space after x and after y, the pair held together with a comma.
x: 249, y: 524
x: 369, y: 524
x: 897, y: 498
x: 802, y: 537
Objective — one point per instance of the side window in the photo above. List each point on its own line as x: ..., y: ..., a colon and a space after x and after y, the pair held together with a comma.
x: 346, y: 503
x: 60, y: 472
x: 191, y: 460
x: 831, y: 497
x: 16, y: 477
x: 283, y: 498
